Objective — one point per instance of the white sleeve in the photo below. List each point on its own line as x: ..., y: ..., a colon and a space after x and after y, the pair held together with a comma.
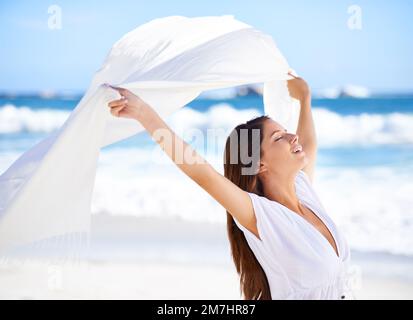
x: 269, y: 222
x: 261, y: 221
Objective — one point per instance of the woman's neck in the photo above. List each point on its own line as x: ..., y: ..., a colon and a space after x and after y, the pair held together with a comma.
x: 281, y: 188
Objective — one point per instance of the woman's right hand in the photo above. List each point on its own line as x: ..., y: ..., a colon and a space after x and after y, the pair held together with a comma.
x: 298, y: 88
x: 128, y: 106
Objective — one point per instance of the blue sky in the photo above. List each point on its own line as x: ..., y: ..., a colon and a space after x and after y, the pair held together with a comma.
x: 313, y: 36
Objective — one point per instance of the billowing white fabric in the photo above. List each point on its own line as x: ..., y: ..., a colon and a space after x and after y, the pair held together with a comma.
x: 298, y: 260
x: 168, y: 62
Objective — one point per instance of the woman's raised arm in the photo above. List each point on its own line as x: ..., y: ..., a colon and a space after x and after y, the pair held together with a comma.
x: 300, y: 90
x: 230, y: 196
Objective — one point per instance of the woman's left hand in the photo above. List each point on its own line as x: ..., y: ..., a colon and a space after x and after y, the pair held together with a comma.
x: 298, y: 88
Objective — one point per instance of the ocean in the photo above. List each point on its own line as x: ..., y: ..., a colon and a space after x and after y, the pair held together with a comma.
x: 364, y: 172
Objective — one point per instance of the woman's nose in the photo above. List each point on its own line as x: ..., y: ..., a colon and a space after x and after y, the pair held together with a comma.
x: 294, y: 139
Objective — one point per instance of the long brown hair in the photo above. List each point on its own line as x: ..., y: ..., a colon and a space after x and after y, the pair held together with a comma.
x: 253, y: 281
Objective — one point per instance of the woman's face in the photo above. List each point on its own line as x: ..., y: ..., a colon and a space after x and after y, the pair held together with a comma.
x: 278, y: 147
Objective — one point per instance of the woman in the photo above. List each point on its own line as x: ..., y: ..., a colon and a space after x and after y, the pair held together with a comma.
x: 283, y: 243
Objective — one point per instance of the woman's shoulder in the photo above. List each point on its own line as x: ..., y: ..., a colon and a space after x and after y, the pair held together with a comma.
x: 268, y: 215
x: 268, y: 210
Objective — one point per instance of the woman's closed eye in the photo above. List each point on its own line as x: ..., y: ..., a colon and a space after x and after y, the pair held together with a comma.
x: 278, y: 138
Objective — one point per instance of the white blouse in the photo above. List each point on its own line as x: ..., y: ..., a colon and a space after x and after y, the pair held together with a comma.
x: 299, y: 262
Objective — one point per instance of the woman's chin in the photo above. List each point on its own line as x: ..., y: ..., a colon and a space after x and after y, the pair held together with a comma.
x: 301, y: 157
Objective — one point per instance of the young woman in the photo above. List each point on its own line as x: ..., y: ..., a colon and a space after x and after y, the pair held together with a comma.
x: 283, y: 243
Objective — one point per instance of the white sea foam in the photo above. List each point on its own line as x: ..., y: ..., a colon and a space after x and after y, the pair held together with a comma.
x: 219, y: 116
x: 364, y: 129
x: 332, y: 128
x: 23, y: 119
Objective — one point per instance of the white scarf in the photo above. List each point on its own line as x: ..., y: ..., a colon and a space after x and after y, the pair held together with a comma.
x: 168, y: 62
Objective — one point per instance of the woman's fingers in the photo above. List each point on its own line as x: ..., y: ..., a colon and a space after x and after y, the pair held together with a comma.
x: 119, y: 102
x: 117, y: 105
x: 115, y: 110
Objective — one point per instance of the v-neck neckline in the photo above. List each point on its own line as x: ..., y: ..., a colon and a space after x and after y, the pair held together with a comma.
x: 338, y: 256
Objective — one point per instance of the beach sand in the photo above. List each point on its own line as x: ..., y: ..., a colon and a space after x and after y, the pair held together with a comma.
x: 149, y: 258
